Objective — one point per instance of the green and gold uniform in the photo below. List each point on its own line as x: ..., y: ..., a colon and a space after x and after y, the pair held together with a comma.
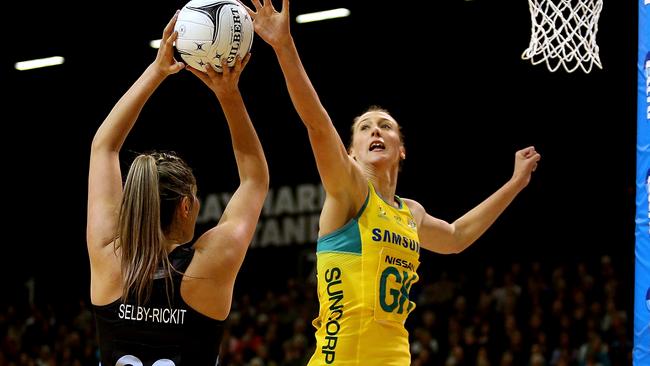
x: 365, y: 271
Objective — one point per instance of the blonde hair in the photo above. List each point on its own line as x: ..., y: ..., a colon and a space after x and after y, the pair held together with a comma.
x: 155, y: 185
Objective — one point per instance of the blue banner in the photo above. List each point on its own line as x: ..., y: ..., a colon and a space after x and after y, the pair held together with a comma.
x: 641, y: 353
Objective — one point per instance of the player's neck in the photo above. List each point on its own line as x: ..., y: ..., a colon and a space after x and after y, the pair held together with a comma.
x: 385, y: 183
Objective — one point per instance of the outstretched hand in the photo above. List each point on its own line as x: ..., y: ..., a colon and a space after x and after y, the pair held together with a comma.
x: 165, y: 62
x: 525, y: 164
x: 227, y: 81
x: 272, y: 26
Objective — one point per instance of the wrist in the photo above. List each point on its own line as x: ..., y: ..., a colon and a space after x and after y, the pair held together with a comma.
x: 285, y: 45
x: 228, y: 95
x: 517, y: 183
x: 155, y: 73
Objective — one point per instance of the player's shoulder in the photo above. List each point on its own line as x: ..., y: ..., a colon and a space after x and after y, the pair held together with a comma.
x: 412, y: 204
x: 417, y: 210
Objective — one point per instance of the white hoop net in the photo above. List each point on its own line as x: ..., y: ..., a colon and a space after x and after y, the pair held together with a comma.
x: 563, y: 33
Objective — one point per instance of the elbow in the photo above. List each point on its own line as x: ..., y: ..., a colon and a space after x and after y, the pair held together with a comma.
x: 257, y: 182
x: 459, y: 247
x: 460, y: 242
x: 254, y: 172
x: 448, y: 240
x: 264, y: 184
x: 96, y: 144
x: 263, y: 180
x: 451, y: 248
x: 101, y: 143
x: 318, y: 121
x: 454, y: 248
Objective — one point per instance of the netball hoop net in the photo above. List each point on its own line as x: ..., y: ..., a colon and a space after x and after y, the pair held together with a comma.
x: 563, y: 33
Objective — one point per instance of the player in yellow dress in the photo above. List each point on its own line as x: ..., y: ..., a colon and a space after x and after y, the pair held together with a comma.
x: 369, y: 238
x: 365, y: 271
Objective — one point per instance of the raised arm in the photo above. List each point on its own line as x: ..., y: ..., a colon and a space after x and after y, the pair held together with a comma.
x: 223, y: 247
x: 104, y: 178
x: 338, y: 172
x: 441, y: 237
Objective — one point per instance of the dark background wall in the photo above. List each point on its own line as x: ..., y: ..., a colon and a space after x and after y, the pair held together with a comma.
x: 449, y: 71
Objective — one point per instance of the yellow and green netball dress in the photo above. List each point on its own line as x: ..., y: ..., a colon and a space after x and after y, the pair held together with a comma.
x: 365, y: 271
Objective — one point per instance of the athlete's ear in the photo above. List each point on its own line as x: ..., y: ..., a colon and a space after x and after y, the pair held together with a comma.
x: 351, y: 154
x: 185, y: 207
x: 402, y: 153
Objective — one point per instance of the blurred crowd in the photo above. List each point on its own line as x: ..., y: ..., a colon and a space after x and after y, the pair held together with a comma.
x: 529, y: 314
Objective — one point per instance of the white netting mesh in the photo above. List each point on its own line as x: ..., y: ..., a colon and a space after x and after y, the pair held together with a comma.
x: 563, y: 33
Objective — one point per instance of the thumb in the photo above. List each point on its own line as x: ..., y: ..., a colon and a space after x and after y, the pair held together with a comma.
x: 178, y: 66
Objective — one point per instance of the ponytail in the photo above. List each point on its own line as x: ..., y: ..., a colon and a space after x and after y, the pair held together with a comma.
x: 155, y: 185
x: 140, y: 235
